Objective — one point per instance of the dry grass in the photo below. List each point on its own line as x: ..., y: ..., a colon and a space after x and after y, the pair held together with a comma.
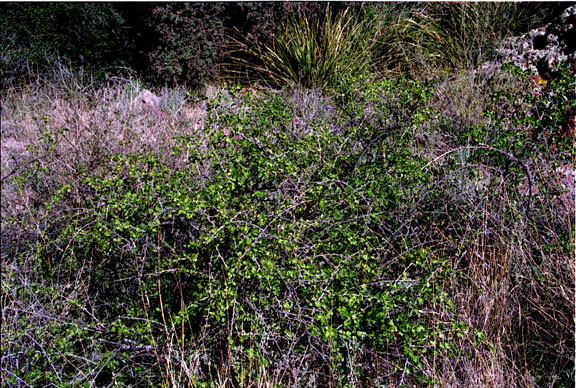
x: 67, y: 129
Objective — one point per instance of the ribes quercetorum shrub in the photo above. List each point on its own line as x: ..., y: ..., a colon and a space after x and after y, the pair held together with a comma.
x: 321, y: 240
x: 268, y: 238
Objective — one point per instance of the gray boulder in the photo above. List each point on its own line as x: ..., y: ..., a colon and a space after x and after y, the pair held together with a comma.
x: 543, y: 49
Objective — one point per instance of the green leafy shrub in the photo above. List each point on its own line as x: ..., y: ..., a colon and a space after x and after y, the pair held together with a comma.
x: 271, y: 243
x: 375, y: 236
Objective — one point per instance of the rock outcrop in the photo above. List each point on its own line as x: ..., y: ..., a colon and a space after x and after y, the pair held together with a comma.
x: 543, y: 49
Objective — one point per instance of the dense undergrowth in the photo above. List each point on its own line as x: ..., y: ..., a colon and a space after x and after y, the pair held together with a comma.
x: 195, y: 43
x: 390, y: 233
x: 387, y: 216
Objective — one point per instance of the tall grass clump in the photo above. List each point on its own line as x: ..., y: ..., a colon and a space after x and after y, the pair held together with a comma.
x: 444, y: 36
x: 312, y: 52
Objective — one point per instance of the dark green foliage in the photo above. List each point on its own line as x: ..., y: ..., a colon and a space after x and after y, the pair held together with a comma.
x: 181, y: 42
x: 34, y: 36
x: 190, y: 43
x: 166, y: 43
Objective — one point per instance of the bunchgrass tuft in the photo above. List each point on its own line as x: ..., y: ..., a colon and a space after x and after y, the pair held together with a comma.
x: 313, y: 53
x: 433, y: 37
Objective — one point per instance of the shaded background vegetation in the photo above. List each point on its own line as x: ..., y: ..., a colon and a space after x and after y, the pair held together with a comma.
x: 164, y: 42
x: 190, y: 42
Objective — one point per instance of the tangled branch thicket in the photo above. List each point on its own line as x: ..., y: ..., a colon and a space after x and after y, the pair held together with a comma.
x: 393, y: 232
